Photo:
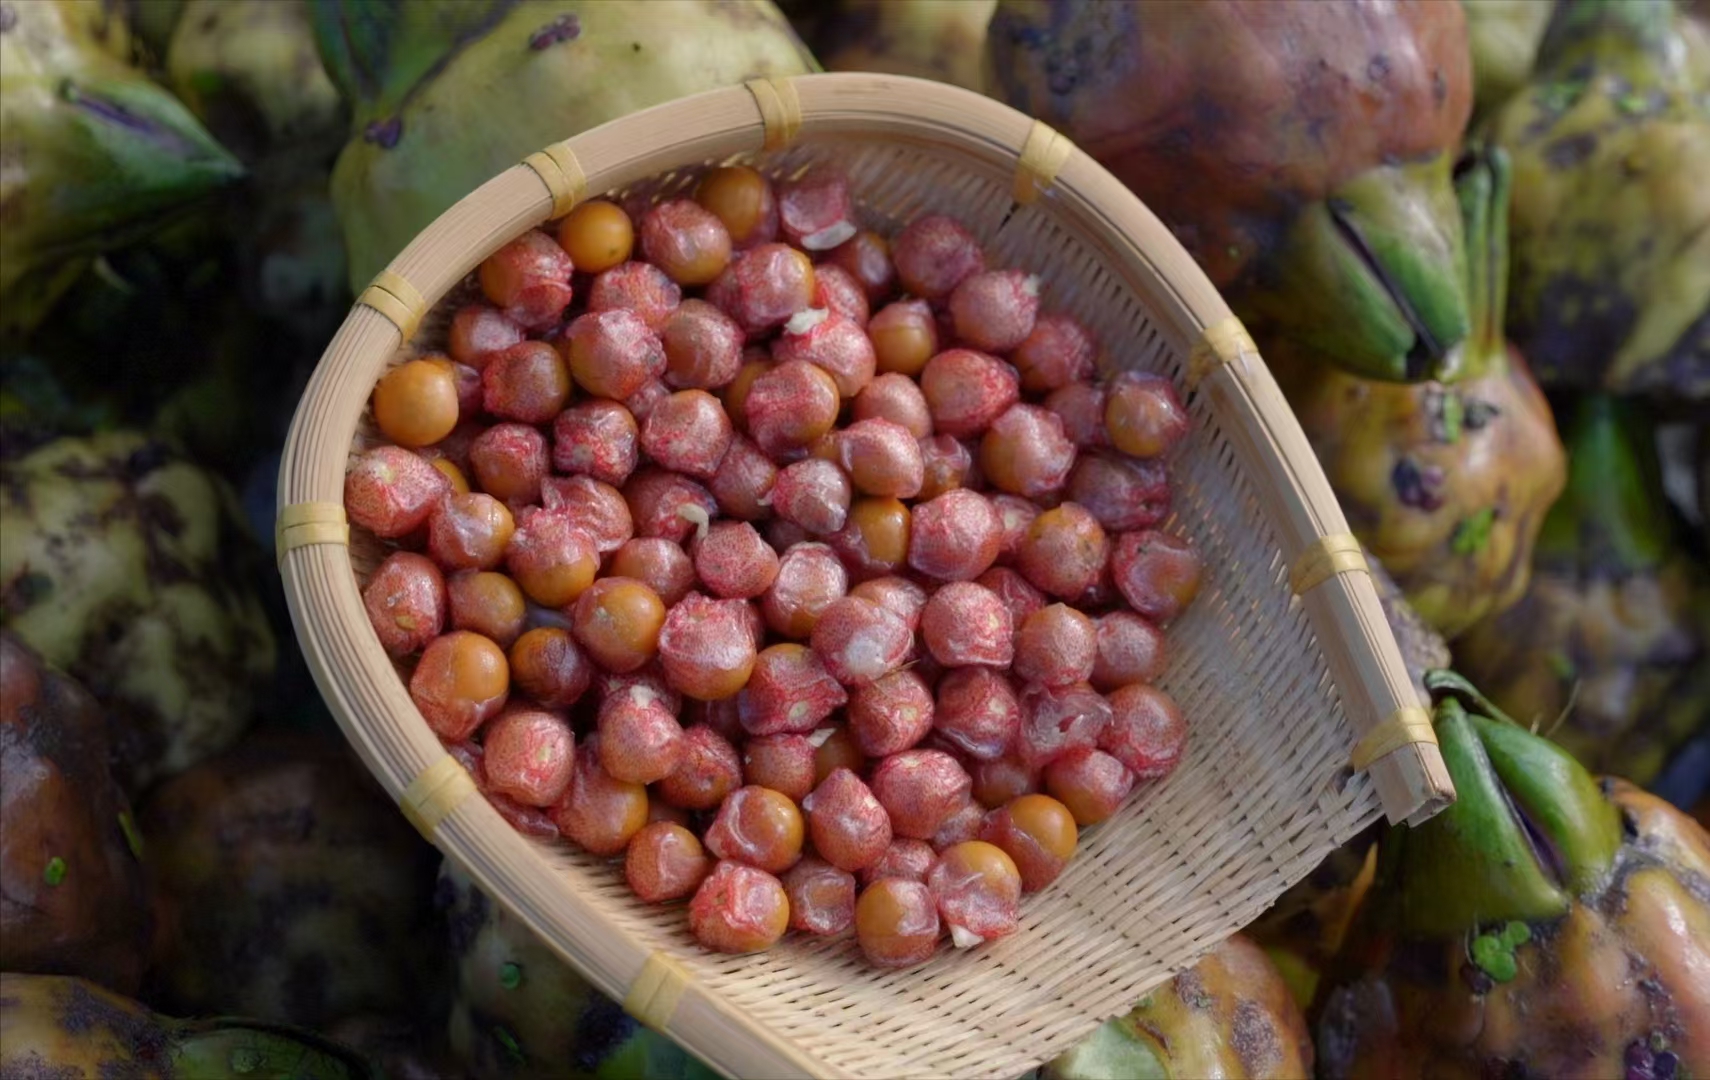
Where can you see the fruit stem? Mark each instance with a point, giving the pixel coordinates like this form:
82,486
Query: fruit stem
1482,185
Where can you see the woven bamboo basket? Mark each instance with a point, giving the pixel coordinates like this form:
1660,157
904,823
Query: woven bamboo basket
1304,727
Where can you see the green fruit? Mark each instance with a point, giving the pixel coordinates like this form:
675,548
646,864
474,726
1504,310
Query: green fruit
95,153
1611,144
447,96
127,567
1504,36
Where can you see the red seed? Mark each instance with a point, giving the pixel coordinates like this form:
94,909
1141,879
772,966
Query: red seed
743,483
1122,493
612,353
641,403
406,602
597,438
977,712
814,212
617,622
529,754
688,432
830,341
665,861
1091,783
790,691
759,827
477,332
836,289
1058,352
867,258
966,390
881,458
906,859
1130,650
1156,572
1038,833
551,557
1143,415
639,287
1017,595
763,286
549,667
640,739
1081,408
660,564
814,494
459,684
667,504
1055,720
509,461
1025,452
708,770
1016,515
962,825
1055,646
739,909
1063,552
897,398
904,336
954,537
946,464
733,560
743,200
390,491
789,406
822,897
995,311
596,508
783,763
934,254
469,391
1000,780
849,828
966,624
900,596
490,604
526,382
860,642
1146,731
686,241
647,682
919,789
808,578
977,888
784,535
528,820
703,347
890,715
706,647
529,278
455,447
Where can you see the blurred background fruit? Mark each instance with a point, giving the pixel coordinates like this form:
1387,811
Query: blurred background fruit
1546,924
295,890
447,94
74,897
1503,36
60,1027
1609,651
1301,152
126,565
942,40
1447,483
1611,141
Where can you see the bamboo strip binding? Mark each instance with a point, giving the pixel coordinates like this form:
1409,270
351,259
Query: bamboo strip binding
1179,867
562,174
1043,155
1323,560
392,295
1406,727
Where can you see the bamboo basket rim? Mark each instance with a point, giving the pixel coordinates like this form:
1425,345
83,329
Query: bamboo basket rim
1402,759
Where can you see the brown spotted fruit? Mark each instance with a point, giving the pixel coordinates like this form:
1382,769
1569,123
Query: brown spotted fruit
1447,484
1545,924
73,896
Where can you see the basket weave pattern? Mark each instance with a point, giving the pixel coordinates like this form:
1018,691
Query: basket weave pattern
1262,795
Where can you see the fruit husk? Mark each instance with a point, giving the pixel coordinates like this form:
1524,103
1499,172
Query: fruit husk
1230,1015
1609,650
1546,924
1504,37
1447,484
447,95
519,1012
942,40
321,888
74,896
58,1027
130,568
1300,152
95,154
1611,140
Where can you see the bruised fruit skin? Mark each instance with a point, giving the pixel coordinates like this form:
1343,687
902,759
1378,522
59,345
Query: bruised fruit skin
73,895
821,897
1586,960
1228,1015
1326,119
321,885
